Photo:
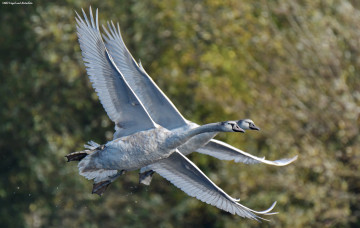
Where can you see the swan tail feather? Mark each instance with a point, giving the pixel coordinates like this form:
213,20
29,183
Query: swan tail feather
92,171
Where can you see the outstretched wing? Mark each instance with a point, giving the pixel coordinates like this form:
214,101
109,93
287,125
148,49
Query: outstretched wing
117,98
160,108
224,151
184,174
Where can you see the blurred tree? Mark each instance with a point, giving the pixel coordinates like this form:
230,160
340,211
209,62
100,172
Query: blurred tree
292,66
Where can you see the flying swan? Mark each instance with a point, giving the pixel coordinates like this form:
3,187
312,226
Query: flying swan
164,112
143,142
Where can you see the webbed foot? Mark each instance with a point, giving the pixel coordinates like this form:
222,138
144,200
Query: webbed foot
100,188
146,177
76,156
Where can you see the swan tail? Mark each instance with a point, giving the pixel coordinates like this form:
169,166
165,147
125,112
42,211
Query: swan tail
91,169
102,177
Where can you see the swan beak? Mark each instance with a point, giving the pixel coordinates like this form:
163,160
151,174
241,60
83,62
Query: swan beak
236,128
254,127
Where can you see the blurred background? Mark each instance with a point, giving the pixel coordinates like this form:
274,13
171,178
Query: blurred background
291,66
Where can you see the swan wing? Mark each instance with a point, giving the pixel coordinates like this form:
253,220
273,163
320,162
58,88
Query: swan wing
184,174
224,151
160,108
119,101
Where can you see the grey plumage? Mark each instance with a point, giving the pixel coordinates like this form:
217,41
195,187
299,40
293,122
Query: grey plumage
128,95
165,113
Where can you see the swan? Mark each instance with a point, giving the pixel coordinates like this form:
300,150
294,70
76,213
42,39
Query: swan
143,142
164,112
142,148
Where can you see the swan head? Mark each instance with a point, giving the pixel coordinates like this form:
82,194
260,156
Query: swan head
231,126
248,124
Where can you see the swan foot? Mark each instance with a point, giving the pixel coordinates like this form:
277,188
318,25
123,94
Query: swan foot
146,177
76,156
100,188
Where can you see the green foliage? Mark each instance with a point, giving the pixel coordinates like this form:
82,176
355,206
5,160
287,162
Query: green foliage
291,66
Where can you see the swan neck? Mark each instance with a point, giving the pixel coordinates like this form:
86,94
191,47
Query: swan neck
179,138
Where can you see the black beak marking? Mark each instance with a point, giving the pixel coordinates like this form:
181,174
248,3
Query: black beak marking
236,128
253,127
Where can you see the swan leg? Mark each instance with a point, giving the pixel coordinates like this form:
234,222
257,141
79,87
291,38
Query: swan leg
76,156
100,187
146,177
79,155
